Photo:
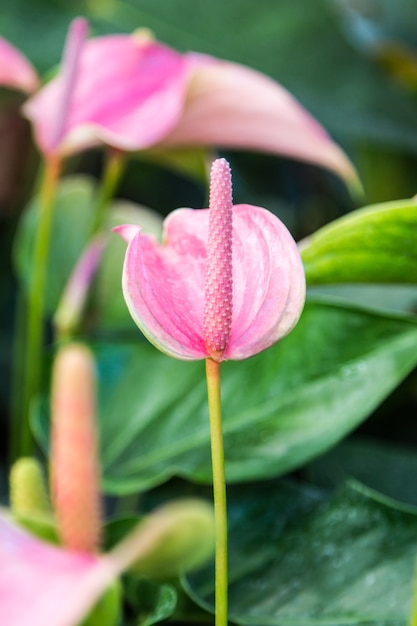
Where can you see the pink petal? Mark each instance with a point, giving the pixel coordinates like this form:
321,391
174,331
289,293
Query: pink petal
268,282
129,93
231,106
163,285
15,69
42,585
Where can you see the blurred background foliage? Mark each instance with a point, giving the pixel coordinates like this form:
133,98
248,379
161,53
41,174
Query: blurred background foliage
351,63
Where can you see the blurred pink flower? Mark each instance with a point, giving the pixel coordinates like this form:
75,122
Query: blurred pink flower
226,283
44,585
15,70
134,93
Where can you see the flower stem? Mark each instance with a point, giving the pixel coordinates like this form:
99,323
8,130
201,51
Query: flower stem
33,356
413,620
219,489
112,173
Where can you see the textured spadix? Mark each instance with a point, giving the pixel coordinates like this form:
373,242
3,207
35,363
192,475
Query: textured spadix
164,284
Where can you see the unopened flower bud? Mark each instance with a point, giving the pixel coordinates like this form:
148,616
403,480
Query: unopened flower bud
28,492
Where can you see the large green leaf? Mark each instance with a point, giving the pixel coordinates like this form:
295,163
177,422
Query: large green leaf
281,408
374,244
389,468
70,232
347,560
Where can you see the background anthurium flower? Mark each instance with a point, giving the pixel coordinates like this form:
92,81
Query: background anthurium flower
134,93
45,585
128,93
15,70
164,284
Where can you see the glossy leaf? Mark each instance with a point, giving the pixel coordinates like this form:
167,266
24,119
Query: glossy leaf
346,560
374,244
149,601
281,408
367,460
71,230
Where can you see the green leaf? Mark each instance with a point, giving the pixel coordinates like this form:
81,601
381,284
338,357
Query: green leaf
374,244
71,229
109,303
347,560
379,297
281,408
151,602
386,467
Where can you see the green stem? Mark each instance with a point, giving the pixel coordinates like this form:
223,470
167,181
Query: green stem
413,620
111,177
18,364
219,489
34,337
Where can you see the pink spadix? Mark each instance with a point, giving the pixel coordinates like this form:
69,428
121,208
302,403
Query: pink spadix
218,295
226,283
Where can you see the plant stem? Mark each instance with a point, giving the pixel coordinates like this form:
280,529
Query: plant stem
413,620
34,337
18,365
111,177
219,490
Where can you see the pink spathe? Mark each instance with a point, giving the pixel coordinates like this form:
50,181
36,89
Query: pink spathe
164,283
15,69
233,106
129,93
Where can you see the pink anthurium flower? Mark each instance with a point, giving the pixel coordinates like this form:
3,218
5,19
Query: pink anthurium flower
134,93
44,585
15,70
226,283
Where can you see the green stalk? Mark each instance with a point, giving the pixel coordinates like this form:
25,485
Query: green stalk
219,490
34,335
111,178
18,365
413,620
